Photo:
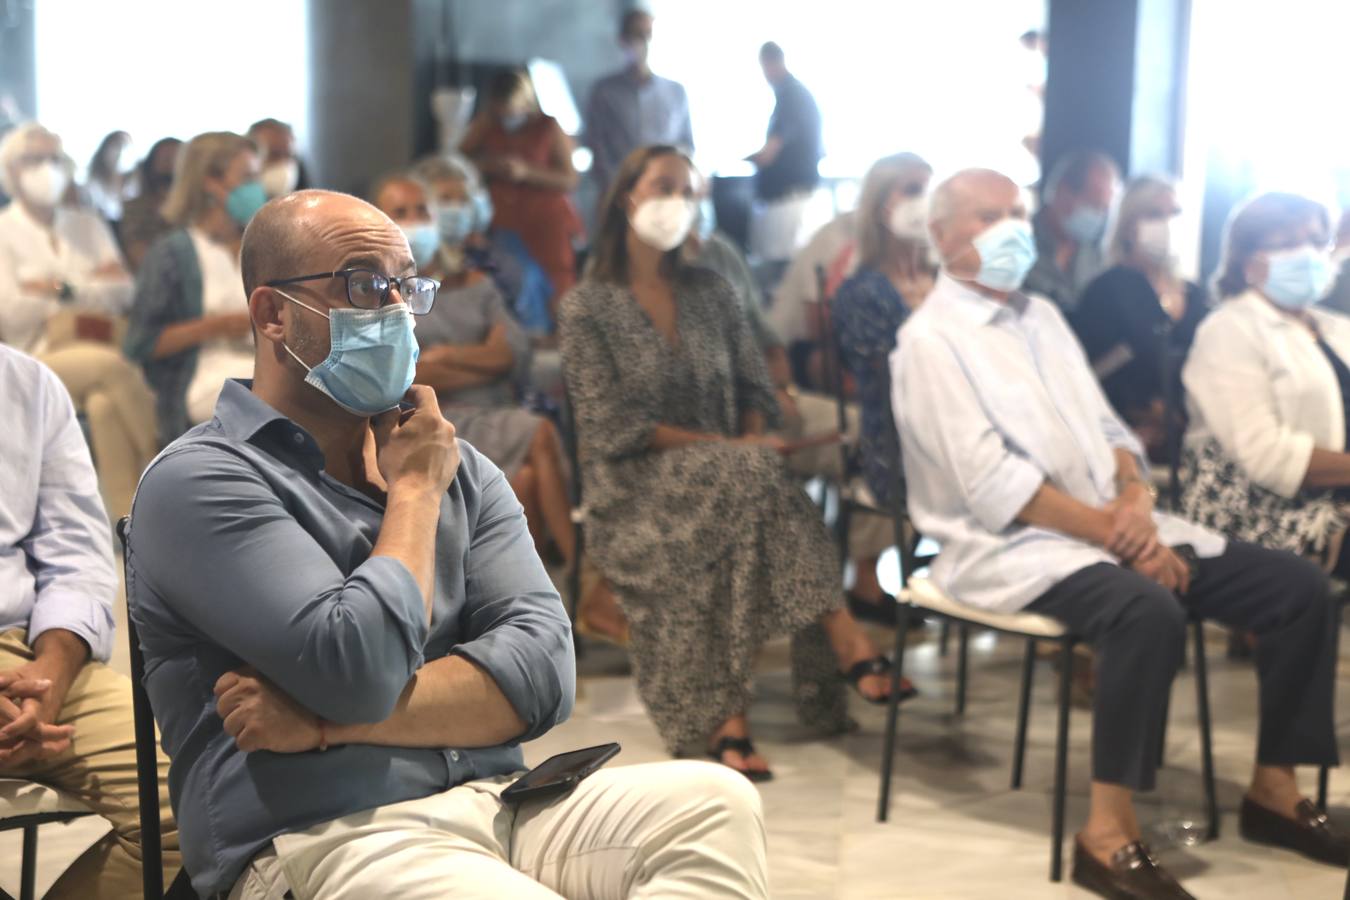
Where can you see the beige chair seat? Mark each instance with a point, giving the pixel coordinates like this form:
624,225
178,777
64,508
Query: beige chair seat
922,593
19,797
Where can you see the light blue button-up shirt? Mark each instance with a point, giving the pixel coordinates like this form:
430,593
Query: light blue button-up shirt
627,111
991,400
244,551
56,559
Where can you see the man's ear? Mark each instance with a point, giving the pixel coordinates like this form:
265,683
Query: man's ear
264,308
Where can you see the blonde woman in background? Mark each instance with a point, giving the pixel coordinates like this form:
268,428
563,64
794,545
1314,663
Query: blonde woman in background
189,322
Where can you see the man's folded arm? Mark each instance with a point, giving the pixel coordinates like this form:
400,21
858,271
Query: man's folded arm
212,540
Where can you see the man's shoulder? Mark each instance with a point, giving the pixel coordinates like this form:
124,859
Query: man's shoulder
200,456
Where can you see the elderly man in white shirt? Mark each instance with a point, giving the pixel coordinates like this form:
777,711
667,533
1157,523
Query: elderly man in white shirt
1019,468
62,290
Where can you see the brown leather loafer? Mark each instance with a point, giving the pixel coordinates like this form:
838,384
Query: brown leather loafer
1132,875
1312,834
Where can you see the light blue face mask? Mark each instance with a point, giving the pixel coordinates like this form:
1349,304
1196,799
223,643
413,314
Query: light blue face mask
483,211
423,241
1298,278
513,122
1007,252
372,357
455,222
244,201
1086,224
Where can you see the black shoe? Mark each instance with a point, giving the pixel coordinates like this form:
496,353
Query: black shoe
877,665
745,749
1311,834
881,611
1132,875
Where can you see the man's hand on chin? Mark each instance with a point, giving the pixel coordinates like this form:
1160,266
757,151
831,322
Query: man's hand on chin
260,716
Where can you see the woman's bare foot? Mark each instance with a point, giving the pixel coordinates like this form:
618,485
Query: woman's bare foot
600,614
752,764
852,646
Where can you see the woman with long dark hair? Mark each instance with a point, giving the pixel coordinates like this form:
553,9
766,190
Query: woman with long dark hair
711,546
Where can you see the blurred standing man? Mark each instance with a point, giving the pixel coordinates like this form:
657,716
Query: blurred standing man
1070,227
634,107
786,164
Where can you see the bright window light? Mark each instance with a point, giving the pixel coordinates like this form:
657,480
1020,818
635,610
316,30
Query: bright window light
160,68
948,80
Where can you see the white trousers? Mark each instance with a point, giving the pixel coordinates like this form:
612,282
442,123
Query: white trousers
676,830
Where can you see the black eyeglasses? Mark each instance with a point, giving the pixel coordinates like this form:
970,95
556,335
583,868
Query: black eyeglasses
368,289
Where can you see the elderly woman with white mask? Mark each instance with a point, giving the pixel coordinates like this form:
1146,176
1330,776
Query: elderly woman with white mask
63,292
1140,309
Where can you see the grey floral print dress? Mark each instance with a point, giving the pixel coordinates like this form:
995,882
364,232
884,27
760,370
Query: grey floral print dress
712,548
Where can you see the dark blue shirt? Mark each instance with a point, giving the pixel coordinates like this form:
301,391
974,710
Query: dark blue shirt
867,311
244,551
796,122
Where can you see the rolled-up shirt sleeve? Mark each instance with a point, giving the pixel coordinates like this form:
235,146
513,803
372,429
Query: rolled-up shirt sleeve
517,629
214,542
70,545
939,415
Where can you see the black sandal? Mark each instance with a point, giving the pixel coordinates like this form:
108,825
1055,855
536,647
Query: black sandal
745,749
877,665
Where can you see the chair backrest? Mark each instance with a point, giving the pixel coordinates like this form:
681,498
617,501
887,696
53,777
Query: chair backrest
1174,421
147,761
832,368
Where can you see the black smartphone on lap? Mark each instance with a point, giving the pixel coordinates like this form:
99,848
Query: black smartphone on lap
559,774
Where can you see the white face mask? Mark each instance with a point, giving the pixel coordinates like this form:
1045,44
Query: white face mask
44,184
1153,239
664,222
909,219
280,177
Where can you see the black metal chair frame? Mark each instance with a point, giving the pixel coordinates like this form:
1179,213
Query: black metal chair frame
147,761
1066,643
28,864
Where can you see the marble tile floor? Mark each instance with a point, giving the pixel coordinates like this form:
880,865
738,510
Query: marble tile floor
956,830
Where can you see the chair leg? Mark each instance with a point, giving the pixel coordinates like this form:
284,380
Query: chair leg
28,867
1162,731
1324,774
944,636
1061,760
962,666
1023,711
1206,734
841,527
893,713
1323,777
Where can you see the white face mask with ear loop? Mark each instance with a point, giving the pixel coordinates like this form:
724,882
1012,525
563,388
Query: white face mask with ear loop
908,219
664,222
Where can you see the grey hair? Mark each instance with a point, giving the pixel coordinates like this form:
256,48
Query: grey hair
12,146
452,165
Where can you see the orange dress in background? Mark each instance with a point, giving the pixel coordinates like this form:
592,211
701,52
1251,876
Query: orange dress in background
545,219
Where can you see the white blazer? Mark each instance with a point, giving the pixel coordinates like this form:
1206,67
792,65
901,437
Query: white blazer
1257,382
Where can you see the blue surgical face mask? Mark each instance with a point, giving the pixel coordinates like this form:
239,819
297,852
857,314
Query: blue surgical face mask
423,240
483,211
1086,224
455,222
371,360
1298,278
513,122
1007,252
244,201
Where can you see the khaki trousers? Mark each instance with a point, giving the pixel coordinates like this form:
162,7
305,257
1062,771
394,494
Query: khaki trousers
99,769
674,831
120,409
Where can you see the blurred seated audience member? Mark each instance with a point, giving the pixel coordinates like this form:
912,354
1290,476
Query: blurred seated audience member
468,240
711,546
894,275
1035,490
189,323
348,633
1267,388
282,170
1338,299
1071,225
633,107
798,306
527,160
1139,316
473,354
106,185
143,221
66,716
804,416
63,293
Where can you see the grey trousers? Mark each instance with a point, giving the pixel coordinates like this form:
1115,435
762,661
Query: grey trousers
1137,629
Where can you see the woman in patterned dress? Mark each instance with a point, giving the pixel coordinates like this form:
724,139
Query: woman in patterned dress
692,515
